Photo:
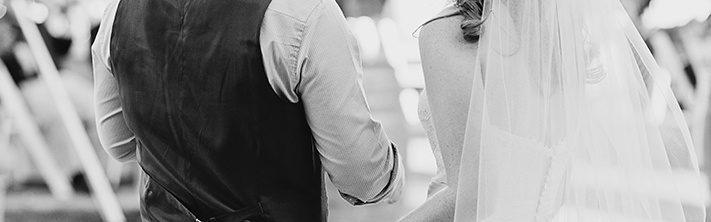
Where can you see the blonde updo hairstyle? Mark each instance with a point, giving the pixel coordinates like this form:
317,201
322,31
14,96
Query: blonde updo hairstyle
472,12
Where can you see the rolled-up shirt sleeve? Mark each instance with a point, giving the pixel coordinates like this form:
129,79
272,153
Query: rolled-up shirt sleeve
322,69
116,138
355,151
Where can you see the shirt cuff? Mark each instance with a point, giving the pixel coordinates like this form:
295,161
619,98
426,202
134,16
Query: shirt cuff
394,185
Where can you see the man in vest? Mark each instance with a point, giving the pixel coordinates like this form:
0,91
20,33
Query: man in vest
234,109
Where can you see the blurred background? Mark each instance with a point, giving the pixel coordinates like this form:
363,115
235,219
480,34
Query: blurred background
43,178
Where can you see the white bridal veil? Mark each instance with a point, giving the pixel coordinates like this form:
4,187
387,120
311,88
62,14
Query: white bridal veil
570,120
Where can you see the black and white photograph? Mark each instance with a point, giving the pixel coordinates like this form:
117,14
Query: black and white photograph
355,110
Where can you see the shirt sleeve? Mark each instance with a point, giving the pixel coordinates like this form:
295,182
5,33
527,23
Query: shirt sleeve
355,151
116,138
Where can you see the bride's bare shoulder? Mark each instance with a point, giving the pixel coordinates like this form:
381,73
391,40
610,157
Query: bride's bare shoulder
443,32
443,50
442,37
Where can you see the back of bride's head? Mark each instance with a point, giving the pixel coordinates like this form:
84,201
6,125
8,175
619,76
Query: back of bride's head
472,10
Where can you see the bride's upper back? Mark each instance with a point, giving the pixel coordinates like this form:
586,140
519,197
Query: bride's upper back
448,63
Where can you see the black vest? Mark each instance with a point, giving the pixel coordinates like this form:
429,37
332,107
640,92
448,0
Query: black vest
212,135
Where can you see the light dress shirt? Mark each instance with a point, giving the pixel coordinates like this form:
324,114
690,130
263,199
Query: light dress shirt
310,56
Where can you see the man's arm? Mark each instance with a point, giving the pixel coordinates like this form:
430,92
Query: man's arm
355,152
118,141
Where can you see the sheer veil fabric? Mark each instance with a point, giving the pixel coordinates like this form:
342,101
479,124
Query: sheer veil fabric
571,120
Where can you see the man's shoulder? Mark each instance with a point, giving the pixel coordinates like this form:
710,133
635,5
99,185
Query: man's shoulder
299,10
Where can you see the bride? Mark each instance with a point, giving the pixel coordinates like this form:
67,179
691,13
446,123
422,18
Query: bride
551,110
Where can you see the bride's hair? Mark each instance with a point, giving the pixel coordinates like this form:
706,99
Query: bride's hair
473,13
